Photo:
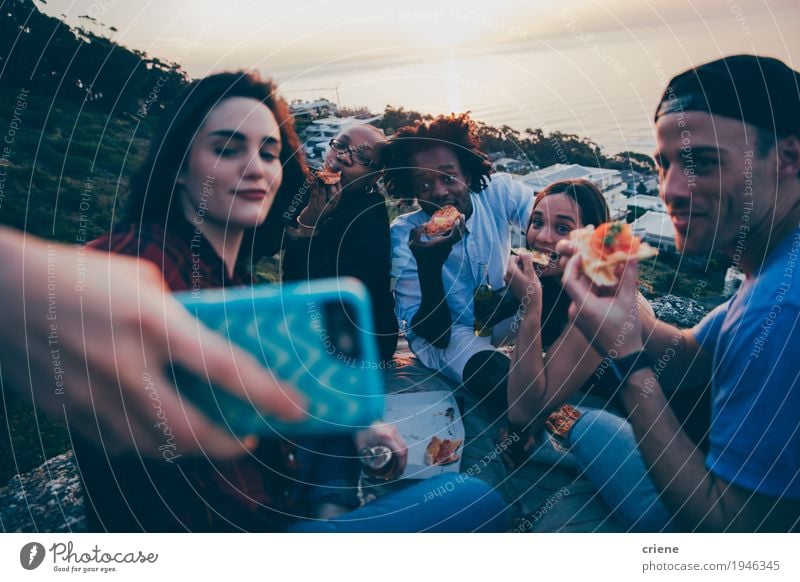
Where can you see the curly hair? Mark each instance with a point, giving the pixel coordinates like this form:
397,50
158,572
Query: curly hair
155,184
458,132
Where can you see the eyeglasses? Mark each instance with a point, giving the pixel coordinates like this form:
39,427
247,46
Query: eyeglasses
357,157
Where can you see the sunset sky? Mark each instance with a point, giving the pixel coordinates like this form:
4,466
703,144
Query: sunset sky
206,35
588,67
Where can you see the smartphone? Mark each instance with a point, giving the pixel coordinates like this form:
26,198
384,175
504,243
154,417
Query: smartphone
314,335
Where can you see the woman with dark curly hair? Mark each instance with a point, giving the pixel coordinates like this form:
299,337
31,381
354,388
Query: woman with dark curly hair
440,163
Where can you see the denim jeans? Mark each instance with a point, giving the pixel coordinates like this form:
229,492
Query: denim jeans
329,471
607,453
444,504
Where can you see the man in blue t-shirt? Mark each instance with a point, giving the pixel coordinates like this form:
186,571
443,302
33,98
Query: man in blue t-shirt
728,152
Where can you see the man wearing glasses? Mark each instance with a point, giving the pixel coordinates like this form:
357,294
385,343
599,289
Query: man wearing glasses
344,229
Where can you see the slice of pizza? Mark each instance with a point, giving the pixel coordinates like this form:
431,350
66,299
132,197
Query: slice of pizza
442,452
442,221
328,176
605,247
538,258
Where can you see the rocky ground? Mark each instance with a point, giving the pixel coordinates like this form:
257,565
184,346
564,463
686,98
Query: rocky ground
47,499
679,311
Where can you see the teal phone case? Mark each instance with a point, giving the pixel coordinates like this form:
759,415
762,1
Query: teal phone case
286,328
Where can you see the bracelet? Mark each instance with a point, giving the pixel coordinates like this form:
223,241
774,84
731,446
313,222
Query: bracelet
623,367
519,429
305,225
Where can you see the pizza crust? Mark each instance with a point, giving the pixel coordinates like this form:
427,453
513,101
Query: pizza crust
538,258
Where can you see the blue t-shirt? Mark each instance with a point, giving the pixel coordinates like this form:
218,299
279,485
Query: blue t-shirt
755,336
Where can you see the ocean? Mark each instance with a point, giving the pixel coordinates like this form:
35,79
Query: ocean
601,86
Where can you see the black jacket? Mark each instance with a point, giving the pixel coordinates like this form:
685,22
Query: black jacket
353,242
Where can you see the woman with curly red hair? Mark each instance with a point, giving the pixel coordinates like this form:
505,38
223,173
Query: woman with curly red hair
440,163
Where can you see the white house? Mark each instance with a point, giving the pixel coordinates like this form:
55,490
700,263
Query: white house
319,133
511,165
313,109
655,228
641,204
633,179
609,182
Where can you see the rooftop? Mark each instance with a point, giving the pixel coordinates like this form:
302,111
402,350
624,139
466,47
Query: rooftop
654,224
345,121
542,178
653,203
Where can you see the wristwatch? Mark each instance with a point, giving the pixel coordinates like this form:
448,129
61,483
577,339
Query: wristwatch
623,367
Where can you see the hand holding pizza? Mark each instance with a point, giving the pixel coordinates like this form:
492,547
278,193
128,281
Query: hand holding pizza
604,248
325,195
435,248
607,316
522,278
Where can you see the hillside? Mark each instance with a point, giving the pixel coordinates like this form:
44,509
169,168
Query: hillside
75,112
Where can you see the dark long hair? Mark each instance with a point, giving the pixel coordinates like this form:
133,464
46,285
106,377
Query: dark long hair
154,185
593,210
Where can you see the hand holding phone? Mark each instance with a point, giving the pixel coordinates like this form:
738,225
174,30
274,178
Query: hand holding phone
314,335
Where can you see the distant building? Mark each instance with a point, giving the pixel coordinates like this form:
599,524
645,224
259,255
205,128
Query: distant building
633,179
609,182
733,280
639,205
310,110
512,165
656,229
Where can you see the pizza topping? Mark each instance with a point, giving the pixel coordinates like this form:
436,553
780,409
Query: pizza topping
442,221
560,421
442,452
328,176
611,237
604,248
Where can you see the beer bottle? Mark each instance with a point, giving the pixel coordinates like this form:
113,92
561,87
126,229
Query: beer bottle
482,301
379,462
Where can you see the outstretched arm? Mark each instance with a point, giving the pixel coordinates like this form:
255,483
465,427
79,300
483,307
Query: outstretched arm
88,335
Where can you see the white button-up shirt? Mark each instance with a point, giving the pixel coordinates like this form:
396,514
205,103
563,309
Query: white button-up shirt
503,203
